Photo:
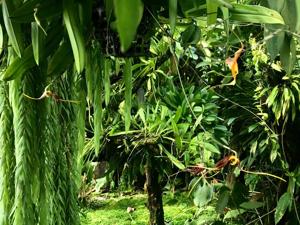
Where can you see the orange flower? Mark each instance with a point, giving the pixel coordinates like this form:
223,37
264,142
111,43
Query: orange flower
232,63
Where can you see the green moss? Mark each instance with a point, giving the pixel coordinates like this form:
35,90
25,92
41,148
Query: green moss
113,210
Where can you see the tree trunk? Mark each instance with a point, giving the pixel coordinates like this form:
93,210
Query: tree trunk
154,192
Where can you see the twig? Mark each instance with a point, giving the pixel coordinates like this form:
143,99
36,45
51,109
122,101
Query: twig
263,174
253,221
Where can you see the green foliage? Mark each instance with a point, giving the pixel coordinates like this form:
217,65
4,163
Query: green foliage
255,14
13,29
7,157
70,15
283,203
177,105
128,93
112,209
128,17
203,194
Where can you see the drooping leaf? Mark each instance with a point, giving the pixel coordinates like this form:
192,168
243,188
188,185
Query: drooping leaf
107,68
288,54
128,93
297,25
20,65
172,14
37,39
172,158
129,14
212,9
1,39
71,20
225,12
271,98
97,70
13,29
282,205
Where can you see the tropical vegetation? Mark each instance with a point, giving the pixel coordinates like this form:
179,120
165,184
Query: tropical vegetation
199,95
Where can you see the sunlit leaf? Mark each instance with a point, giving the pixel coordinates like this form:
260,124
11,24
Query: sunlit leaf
282,205
212,9
211,148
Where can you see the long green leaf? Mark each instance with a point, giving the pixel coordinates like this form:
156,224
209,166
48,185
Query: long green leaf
172,158
71,19
89,75
1,39
128,92
282,205
297,7
212,9
20,65
129,14
13,29
288,54
172,14
271,98
107,68
37,37
255,14
98,91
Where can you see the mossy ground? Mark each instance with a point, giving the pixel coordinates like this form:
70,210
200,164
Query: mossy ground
111,209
